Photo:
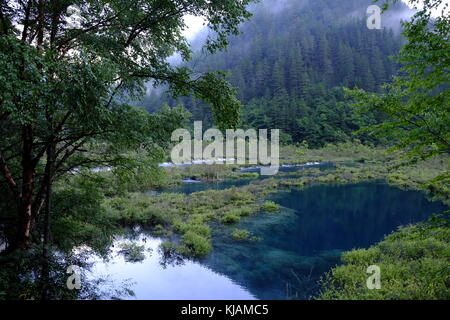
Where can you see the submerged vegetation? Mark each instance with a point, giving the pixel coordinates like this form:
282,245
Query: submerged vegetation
243,235
189,216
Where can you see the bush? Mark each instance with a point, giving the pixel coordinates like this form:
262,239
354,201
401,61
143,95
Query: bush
240,235
230,219
241,197
198,228
194,245
270,206
132,252
243,235
413,263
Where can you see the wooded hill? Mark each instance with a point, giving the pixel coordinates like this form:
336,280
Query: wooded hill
291,61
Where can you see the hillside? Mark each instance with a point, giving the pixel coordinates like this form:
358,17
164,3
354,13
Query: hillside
290,63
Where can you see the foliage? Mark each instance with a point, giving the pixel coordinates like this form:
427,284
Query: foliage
132,252
195,245
270,206
230,218
416,105
240,234
243,235
413,263
186,215
22,277
64,88
78,218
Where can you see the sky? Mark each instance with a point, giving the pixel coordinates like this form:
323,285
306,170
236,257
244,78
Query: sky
437,12
194,25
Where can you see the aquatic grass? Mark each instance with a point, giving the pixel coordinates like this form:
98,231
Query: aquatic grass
182,213
194,227
240,235
230,219
339,152
243,235
194,245
132,252
270,206
413,263
190,214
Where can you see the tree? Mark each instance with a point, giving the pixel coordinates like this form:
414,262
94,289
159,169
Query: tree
61,84
416,105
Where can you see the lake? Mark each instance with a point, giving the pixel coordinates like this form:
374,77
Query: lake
298,245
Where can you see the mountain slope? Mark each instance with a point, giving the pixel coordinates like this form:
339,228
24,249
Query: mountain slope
290,63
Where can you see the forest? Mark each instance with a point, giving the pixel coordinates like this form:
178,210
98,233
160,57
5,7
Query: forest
289,69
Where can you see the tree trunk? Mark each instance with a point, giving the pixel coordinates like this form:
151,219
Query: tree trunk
46,233
26,217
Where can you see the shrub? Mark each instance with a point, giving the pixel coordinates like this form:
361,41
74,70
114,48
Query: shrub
244,235
230,219
242,197
240,235
270,206
195,227
413,264
132,252
194,245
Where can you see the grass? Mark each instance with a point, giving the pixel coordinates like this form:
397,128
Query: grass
414,264
230,219
337,153
132,252
240,235
270,206
243,235
190,216
194,245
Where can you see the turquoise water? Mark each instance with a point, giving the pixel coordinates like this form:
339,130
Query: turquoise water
197,186
299,244
306,238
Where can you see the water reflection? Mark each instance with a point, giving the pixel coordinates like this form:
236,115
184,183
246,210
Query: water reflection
306,238
175,281
299,244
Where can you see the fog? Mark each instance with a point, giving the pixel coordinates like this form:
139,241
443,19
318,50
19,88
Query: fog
197,31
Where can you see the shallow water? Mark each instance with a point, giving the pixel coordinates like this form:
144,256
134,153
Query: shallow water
299,244
151,280
189,186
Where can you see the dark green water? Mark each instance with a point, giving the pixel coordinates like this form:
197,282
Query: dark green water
299,244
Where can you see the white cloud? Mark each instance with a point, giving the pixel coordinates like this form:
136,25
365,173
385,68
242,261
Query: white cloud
435,13
194,25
